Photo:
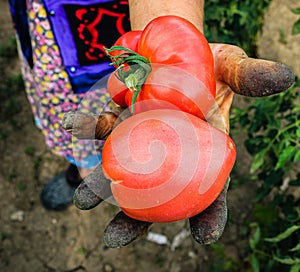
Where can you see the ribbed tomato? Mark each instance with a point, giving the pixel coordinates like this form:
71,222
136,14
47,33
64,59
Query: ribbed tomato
182,68
166,165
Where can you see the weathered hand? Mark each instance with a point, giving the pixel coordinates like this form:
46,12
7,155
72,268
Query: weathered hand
238,74
235,73
95,187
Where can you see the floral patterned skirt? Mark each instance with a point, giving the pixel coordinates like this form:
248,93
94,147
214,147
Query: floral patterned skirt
62,70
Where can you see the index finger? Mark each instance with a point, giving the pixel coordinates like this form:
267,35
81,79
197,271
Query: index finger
248,76
89,126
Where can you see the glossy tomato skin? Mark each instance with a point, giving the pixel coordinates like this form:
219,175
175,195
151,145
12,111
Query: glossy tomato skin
182,74
166,165
117,90
174,42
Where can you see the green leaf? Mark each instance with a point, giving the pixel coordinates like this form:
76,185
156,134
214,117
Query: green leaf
296,248
288,261
296,109
255,237
265,213
258,161
254,263
297,156
288,232
295,268
296,10
296,28
298,131
287,154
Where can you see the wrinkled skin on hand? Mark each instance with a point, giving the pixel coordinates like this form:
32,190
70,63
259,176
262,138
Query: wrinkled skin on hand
235,74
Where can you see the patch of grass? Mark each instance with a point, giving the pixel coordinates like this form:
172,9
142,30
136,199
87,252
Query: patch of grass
15,124
36,166
12,175
82,251
221,261
8,49
296,26
4,134
159,260
4,235
10,87
63,231
282,37
21,186
29,150
12,106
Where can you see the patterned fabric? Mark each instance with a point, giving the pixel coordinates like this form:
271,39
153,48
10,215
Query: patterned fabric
82,29
51,93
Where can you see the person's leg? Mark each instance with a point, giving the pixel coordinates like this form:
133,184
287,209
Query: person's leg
58,193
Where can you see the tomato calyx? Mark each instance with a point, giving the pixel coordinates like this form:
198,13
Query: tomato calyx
132,68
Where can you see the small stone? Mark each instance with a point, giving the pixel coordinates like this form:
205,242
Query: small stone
157,238
108,268
192,254
180,238
17,216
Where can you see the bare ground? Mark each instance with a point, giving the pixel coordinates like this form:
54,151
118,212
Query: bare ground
35,240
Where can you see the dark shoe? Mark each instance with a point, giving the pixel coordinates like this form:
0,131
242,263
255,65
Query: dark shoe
58,193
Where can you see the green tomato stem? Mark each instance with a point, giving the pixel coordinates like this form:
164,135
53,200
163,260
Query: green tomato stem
132,69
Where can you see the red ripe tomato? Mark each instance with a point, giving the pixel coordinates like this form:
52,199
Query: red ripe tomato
117,90
166,165
182,75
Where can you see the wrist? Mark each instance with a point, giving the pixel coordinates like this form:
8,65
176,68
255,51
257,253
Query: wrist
142,12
